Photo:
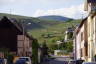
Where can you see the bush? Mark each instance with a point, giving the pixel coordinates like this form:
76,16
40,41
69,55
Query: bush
7,55
35,46
10,58
44,49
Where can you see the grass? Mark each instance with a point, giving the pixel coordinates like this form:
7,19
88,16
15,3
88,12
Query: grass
56,30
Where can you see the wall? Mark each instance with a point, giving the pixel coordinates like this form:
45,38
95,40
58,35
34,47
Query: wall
24,47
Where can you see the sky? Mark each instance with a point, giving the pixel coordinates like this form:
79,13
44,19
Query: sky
35,8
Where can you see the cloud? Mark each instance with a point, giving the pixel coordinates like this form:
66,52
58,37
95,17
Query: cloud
11,2
3,2
72,12
69,8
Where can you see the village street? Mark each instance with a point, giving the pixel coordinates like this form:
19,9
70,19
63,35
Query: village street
57,60
47,32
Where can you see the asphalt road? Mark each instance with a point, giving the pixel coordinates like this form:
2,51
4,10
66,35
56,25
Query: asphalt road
57,60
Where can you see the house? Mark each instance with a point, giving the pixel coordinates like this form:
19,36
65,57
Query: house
76,46
69,34
14,38
85,34
81,41
90,7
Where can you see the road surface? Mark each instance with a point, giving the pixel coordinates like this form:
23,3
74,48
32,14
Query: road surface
57,60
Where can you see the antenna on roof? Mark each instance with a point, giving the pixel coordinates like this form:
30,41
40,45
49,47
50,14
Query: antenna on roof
82,17
10,12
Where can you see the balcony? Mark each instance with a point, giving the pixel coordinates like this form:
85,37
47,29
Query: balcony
93,10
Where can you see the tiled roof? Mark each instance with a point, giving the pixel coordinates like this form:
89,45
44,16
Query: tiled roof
18,25
91,1
79,27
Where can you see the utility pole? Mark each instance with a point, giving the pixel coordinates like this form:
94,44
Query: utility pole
24,37
23,30
10,12
82,16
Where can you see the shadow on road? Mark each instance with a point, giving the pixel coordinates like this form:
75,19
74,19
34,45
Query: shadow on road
55,61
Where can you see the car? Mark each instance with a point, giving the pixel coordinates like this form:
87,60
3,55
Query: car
79,61
89,63
3,61
27,59
20,61
72,62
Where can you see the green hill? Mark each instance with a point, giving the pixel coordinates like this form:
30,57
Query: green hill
49,30
55,18
35,22
13,16
53,33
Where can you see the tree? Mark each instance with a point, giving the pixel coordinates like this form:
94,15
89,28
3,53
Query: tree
44,48
69,46
7,55
35,46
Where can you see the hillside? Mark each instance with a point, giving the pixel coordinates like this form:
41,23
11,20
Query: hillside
49,30
35,22
53,33
55,18
13,16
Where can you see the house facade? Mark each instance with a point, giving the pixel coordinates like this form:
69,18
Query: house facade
81,41
14,38
90,7
91,36
76,45
88,30
69,34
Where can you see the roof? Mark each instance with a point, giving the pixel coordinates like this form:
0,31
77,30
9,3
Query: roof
18,25
91,1
86,4
81,24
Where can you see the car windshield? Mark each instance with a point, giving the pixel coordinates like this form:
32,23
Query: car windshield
25,59
20,62
1,61
89,63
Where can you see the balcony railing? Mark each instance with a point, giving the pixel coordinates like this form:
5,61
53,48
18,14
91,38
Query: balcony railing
93,10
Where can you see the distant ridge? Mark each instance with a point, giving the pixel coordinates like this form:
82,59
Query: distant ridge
39,28
55,18
35,22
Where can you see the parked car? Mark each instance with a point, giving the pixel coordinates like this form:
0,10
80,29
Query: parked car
89,63
80,61
15,59
3,61
20,61
27,59
72,62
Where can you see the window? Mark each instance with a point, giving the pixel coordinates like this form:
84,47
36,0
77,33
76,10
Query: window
81,52
82,36
86,48
88,29
20,43
20,37
95,25
92,26
89,53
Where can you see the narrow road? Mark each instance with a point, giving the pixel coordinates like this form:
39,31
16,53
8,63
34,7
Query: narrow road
57,60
